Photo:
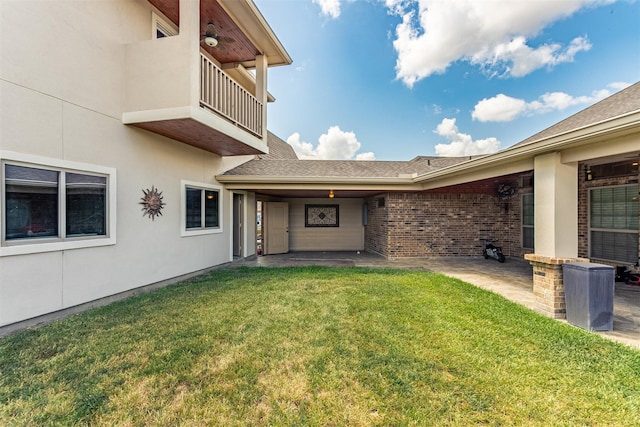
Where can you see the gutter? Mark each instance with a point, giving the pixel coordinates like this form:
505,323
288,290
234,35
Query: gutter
323,180
276,41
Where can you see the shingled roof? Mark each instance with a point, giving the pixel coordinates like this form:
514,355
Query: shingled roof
278,149
618,104
343,168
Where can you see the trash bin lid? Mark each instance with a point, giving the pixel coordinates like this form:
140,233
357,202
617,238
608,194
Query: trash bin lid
584,266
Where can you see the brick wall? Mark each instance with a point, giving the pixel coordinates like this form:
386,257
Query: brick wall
375,235
443,224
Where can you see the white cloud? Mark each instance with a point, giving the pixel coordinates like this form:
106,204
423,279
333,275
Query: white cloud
369,155
462,144
516,59
329,8
336,144
617,86
304,150
500,108
503,108
491,34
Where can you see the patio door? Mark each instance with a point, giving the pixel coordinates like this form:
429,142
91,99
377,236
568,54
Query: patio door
238,226
276,223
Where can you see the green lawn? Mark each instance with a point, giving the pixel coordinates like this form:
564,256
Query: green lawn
316,346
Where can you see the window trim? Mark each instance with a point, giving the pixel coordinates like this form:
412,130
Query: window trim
159,23
522,224
187,232
28,246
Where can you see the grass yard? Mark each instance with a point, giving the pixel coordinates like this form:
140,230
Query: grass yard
316,346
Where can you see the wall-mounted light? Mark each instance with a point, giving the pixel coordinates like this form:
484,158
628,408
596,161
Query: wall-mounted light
588,176
331,195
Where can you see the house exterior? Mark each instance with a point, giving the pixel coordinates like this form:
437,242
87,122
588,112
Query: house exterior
116,116
138,155
567,193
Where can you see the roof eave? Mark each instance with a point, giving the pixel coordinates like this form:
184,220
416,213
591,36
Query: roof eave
293,180
615,126
257,28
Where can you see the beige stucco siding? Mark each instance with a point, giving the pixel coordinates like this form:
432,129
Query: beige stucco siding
146,251
62,100
348,236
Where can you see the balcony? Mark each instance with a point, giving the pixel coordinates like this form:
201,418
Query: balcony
183,89
221,94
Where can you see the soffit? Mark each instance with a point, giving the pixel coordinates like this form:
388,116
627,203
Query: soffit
198,135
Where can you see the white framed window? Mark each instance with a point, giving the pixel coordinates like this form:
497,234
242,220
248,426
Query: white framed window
162,27
528,221
50,204
613,222
201,208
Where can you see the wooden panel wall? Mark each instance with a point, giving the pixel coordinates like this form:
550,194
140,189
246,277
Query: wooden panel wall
349,236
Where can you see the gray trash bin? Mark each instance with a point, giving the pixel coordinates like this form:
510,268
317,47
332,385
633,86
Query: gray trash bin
588,289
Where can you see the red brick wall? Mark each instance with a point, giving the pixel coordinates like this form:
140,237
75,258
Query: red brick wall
375,234
452,221
443,224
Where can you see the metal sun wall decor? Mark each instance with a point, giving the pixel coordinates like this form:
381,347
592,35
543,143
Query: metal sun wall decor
152,203
321,216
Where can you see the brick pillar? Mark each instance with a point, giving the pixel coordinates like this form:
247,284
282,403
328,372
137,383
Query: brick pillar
548,284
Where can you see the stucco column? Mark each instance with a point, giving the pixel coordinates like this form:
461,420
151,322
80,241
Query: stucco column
556,229
261,90
190,30
556,206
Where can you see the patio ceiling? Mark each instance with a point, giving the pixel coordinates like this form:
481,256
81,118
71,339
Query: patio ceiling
237,45
320,194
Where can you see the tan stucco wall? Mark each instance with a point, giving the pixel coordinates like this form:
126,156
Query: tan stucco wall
348,236
62,87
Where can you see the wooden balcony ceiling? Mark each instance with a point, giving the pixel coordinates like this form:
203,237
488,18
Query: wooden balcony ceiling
233,47
201,136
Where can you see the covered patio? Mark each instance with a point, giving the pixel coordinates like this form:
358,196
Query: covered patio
512,280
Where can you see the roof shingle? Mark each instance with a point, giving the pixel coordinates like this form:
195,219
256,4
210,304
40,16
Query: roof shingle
343,168
623,102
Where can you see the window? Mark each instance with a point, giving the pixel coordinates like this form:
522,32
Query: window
34,203
527,221
55,206
526,181
612,170
614,223
162,27
202,212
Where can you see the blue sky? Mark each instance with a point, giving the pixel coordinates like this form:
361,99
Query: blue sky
394,79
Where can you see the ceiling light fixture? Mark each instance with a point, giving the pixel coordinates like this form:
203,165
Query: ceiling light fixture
211,41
